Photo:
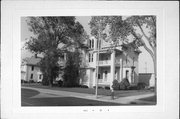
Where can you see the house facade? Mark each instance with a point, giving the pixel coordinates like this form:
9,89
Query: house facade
115,63
30,70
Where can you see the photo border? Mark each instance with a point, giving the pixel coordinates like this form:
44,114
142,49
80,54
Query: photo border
13,59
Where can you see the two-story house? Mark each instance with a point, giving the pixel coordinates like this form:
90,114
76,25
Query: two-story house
30,69
115,63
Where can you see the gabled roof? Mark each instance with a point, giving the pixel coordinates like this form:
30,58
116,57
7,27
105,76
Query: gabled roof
32,61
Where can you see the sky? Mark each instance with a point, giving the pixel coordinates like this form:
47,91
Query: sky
145,60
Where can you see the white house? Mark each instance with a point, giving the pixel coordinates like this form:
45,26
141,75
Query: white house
30,69
115,63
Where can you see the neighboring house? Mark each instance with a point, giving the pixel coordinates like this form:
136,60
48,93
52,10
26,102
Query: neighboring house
147,78
115,63
30,69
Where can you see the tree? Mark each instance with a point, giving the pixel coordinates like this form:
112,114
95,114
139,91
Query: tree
52,37
71,70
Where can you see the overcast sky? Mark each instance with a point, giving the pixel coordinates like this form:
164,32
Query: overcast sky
145,60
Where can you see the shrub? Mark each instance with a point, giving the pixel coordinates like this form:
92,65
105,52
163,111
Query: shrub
141,85
151,88
60,83
23,81
124,84
107,87
31,81
99,87
84,86
115,85
133,87
45,81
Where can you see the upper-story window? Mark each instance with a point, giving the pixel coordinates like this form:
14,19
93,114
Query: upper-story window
91,43
32,68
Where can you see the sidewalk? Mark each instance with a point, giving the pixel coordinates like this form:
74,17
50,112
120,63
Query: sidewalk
121,100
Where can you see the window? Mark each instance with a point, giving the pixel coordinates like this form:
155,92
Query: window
31,76
99,76
92,43
32,68
105,76
40,76
92,58
89,57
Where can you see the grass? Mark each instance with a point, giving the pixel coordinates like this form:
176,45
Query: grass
151,99
58,101
120,93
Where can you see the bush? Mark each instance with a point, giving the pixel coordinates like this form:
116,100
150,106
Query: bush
107,87
141,85
23,81
31,81
84,86
133,87
45,81
60,83
99,87
124,84
115,85
151,88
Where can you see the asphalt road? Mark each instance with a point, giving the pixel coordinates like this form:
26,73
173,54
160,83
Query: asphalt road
29,98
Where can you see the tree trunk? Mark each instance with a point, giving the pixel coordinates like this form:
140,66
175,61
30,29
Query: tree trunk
152,53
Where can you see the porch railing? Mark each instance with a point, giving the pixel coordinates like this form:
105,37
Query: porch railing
108,62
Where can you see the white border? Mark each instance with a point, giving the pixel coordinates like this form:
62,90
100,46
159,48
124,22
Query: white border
11,54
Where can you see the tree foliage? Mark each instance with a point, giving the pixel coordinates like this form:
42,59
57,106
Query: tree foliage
52,37
71,70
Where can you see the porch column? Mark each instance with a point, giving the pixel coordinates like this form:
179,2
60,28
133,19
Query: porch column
112,68
120,71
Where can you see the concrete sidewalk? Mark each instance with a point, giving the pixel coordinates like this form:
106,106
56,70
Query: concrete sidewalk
121,100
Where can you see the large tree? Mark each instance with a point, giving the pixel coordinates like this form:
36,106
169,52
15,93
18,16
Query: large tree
52,38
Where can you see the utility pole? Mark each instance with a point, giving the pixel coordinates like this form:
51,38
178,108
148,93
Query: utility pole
97,63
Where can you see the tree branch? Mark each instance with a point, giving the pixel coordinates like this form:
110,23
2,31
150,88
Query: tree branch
145,46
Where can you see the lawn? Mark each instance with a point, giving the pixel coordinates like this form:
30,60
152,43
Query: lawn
119,93
151,99
58,101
